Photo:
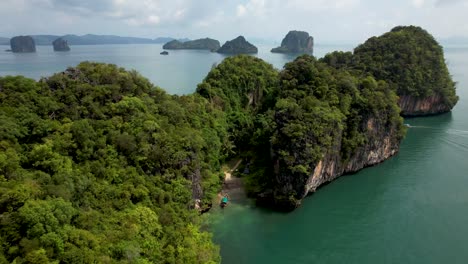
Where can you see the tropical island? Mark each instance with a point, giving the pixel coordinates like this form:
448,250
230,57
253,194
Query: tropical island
61,45
296,42
412,62
200,44
99,165
22,44
238,45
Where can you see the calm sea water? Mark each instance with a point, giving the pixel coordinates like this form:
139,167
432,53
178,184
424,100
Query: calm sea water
177,73
412,208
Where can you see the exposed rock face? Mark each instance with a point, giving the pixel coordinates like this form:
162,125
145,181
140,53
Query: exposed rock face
382,144
60,45
164,53
296,42
238,46
201,44
413,106
22,44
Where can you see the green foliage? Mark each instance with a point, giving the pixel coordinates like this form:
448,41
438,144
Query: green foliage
99,166
322,111
410,59
242,86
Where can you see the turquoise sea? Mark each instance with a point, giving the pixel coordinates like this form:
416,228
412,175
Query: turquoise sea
412,208
177,73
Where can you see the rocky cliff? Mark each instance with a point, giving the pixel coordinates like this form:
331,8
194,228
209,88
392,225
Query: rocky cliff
414,106
22,44
238,46
61,45
383,142
296,42
322,132
202,44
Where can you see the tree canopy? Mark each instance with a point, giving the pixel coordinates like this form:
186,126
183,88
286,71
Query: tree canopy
408,58
98,165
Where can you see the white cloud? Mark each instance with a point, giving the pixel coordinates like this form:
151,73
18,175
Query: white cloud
324,19
153,20
321,5
418,3
241,10
255,8
179,14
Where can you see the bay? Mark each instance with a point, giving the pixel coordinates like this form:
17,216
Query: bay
412,208
177,73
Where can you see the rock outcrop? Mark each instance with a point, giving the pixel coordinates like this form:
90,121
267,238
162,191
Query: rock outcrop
322,133
383,142
199,44
238,46
296,42
164,53
22,44
414,106
61,44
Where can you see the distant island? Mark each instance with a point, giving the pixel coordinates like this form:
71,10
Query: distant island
91,39
22,44
60,45
296,42
238,46
202,44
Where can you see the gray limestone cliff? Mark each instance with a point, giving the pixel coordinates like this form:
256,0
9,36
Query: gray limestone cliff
382,143
238,46
22,44
61,44
431,105
296,42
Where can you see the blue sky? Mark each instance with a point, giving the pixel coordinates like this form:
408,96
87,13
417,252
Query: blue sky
329,21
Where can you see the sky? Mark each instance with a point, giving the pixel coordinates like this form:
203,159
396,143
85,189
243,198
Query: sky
328,21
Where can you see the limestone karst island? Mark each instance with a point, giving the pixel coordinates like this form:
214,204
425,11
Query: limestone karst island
99,165
22,44
238,45
296,42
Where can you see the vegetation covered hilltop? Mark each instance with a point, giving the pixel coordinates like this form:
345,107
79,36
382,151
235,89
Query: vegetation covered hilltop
97,165
412,62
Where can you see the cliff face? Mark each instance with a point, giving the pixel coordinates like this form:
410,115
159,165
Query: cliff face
296,42
319,132
238,46
22,44
383,142
201,44
414,106
382,145
60,45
